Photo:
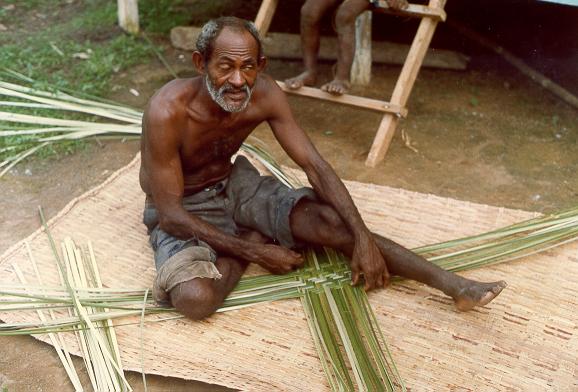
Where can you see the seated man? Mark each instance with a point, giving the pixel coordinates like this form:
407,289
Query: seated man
208,218
311,14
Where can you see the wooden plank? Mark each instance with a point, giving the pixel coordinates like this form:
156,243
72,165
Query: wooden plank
361,68
265,16
413,10
128,15
288,46
346,99
404,85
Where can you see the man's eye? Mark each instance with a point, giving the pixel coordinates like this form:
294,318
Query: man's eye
248,67
225,67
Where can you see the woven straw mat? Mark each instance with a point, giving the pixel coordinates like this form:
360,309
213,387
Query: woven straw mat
524,340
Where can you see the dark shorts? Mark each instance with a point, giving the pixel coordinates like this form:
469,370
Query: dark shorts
243,201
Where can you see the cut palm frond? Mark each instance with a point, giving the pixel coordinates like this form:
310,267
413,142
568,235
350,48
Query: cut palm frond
97,340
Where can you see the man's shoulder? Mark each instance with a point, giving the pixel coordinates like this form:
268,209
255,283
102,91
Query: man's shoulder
267,90
266,84
172,97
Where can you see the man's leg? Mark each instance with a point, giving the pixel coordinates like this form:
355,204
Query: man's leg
320,224
201,297
345,23
311,14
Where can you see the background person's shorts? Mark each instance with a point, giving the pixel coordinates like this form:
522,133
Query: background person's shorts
245,200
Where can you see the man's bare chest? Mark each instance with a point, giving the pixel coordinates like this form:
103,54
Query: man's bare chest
201,147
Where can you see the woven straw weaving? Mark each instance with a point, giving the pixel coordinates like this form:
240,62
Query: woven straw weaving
525,340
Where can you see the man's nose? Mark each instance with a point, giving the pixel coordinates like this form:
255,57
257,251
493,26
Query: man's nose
237,79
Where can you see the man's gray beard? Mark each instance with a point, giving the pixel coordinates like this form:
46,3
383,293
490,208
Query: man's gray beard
219,95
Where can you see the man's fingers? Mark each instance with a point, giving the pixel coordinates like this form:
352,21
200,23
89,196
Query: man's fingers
379,281
355,277
369,281
298,260
385,279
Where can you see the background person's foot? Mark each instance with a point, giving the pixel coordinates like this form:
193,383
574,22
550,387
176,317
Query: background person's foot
307,78
478,294
336,87
397,4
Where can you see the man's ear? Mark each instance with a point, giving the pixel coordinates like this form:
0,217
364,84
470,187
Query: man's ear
199,62
262,63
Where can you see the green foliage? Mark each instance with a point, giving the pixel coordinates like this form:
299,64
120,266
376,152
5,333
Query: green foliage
76,46
159,16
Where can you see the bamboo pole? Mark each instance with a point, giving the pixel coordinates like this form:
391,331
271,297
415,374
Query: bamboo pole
536,76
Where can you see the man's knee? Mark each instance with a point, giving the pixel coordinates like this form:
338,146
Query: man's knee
345,16
320,223
333,227
196,299
311,12
329,217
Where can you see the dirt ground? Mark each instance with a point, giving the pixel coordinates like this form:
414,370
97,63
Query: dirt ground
488,135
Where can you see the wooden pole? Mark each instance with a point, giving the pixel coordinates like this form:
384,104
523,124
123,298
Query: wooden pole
265,16
288,46
361,67
346,99
128,15
404,85
536,76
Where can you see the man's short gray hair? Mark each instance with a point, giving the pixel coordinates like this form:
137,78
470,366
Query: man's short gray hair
212,28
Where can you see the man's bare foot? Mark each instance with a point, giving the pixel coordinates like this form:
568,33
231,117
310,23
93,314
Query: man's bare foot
478,294
307,78
336,87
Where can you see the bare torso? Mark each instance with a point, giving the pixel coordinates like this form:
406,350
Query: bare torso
206,141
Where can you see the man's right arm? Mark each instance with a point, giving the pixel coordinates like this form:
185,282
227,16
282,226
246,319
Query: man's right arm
165,182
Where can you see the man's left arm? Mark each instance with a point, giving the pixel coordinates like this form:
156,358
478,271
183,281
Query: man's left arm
366,257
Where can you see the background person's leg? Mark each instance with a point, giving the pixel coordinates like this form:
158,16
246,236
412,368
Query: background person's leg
319,224
345,18
311,14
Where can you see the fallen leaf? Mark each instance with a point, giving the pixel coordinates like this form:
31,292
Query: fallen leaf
81,55
407,141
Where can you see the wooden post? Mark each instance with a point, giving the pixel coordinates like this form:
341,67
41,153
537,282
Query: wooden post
404,85
361,67
265,16
128,15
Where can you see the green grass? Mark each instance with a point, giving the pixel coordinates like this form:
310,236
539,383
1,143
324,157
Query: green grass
51,55
80,47
49,48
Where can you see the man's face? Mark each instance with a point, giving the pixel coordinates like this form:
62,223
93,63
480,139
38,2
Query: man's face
232,69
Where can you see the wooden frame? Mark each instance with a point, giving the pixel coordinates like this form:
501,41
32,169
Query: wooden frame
393,110
350,100
265,16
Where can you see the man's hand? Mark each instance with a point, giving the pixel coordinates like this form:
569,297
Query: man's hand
367,259
397,4
276,259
